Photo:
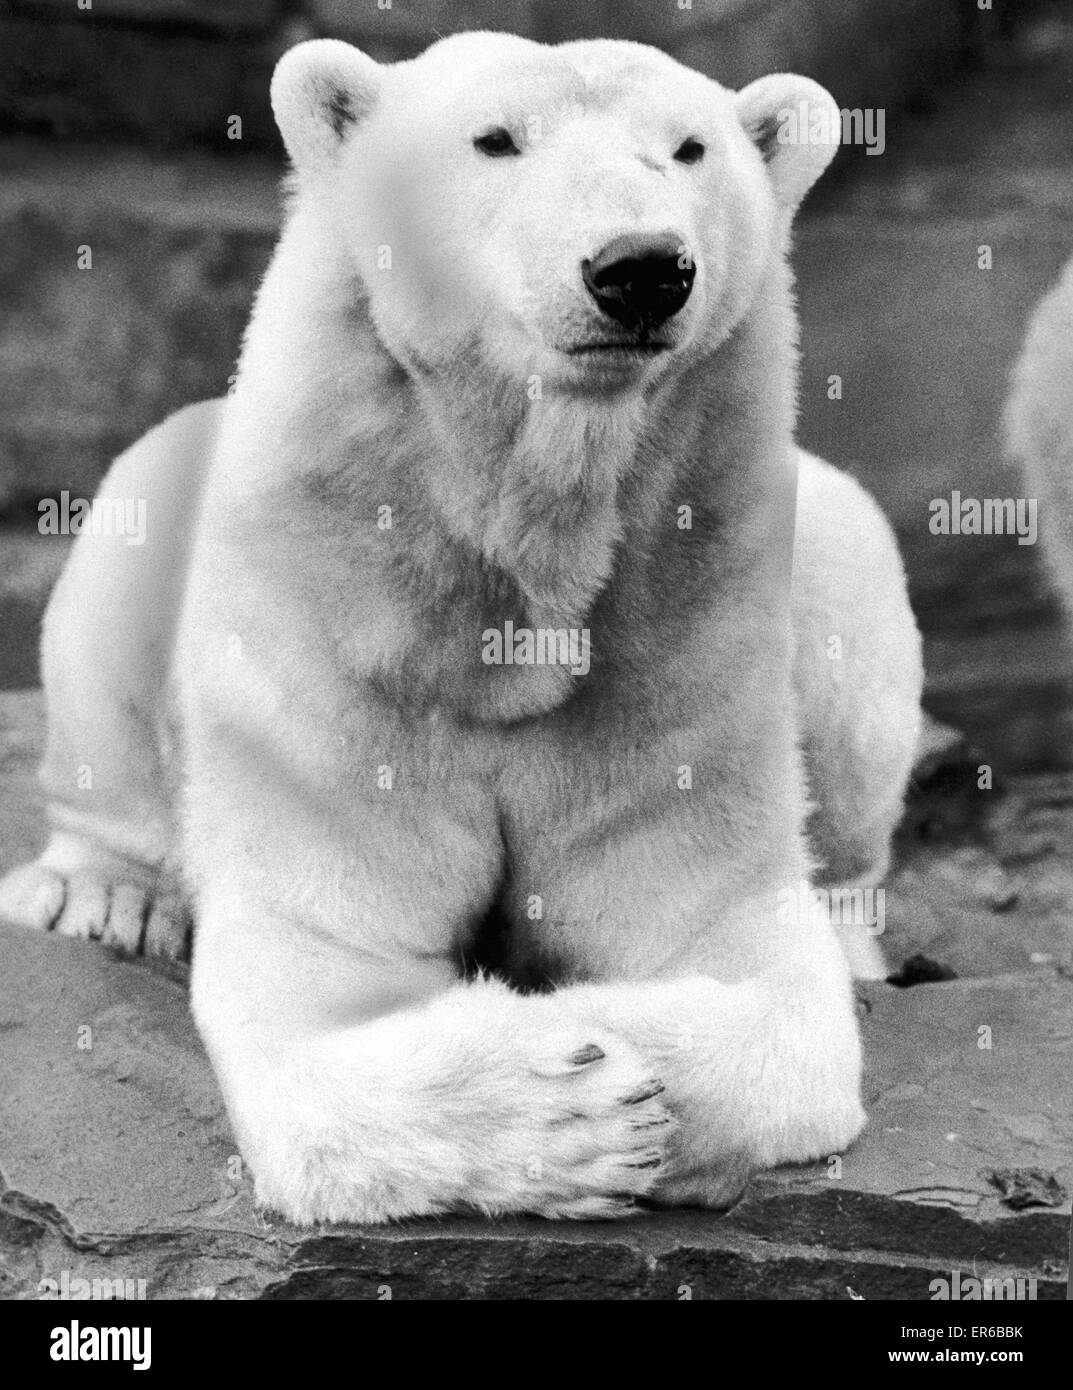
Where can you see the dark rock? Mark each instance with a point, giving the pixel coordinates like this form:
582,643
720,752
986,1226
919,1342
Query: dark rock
1028,1187
919,970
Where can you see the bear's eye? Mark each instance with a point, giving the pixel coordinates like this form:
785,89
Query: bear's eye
496,143
689,151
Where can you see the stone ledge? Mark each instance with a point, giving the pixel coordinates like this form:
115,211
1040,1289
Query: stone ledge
115,1165
116,1160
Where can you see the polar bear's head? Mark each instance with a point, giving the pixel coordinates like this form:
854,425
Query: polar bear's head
588,213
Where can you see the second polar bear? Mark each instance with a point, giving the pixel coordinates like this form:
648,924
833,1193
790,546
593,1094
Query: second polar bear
524,361
1039,427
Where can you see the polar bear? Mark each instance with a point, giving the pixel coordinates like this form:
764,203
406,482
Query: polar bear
1039,427
524,362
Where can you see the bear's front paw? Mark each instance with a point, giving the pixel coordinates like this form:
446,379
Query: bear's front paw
498,1105
592,1135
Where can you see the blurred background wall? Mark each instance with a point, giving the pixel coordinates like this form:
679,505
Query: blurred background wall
174,70
133,103
140,129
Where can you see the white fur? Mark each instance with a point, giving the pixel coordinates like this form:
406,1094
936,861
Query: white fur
1039,426
240,684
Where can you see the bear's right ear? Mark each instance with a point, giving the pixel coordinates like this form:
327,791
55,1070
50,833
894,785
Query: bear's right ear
796,125
320,90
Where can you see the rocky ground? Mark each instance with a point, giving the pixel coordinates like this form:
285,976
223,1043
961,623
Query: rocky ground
115,1158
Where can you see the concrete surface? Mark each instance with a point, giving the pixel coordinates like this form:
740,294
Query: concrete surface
117,1162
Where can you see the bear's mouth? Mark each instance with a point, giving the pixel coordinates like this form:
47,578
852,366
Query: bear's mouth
620,348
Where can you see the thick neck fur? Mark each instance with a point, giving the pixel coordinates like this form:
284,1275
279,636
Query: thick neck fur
532,485
562,511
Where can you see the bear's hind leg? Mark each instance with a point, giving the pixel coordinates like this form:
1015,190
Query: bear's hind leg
77,888
106,648
103,874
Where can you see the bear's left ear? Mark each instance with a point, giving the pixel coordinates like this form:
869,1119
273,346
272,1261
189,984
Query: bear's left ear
796,126
320,90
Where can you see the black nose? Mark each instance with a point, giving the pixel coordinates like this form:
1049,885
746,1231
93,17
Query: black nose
640,282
